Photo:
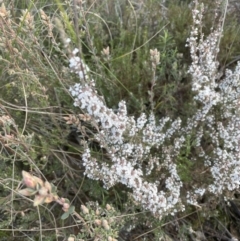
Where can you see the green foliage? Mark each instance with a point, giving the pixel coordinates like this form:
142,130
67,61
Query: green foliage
184,164
229,47
180,20
34,93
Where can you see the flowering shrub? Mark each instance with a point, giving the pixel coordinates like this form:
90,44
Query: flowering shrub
137,147
125,158
154,121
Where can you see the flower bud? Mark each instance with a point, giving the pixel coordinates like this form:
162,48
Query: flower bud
105,224
65,207
71,239
97,212
98,222
84,209
111,220
29,180
38,181
108,207
48,186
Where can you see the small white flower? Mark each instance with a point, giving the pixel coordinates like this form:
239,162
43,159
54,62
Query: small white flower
75,51
68,40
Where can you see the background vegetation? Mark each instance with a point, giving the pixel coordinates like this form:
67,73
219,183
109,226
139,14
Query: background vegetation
38,130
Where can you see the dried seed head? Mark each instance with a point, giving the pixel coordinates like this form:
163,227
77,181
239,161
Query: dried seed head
3,11
43,191
48,186
30,180
38,200
27,192
105,52
155,57
28,19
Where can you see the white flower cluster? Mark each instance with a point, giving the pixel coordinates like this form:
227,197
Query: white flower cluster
147,194
78,66
128,142
204,65
86,97
223,130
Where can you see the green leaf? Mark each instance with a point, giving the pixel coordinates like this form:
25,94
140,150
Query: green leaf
71,210
65,216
